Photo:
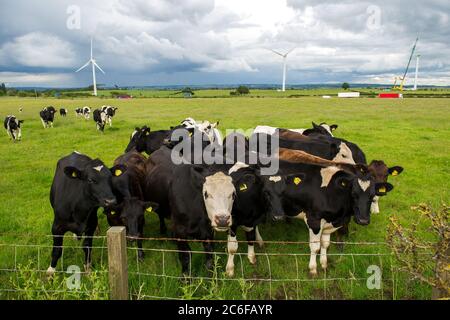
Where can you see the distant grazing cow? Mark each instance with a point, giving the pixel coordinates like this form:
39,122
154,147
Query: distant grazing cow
86,112
110,112
47,116
322,128
12,126
129,187
79,112
100,119
80,186
63,112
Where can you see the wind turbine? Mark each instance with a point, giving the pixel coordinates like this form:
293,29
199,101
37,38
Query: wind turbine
284,56
94,64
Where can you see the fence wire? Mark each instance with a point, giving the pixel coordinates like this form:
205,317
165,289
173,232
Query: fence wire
281,271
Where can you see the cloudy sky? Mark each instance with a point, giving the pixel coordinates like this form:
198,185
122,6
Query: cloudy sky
161,42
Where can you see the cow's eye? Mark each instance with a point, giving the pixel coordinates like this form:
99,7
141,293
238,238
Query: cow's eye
233,196
344,156
206,195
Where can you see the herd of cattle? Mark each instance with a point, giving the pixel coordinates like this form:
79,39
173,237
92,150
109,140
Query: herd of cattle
321,179
101,117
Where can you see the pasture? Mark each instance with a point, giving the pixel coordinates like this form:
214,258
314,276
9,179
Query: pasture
413,133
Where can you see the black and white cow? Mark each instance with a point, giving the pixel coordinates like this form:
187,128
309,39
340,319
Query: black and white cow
100,119
12,126
79,112
80,186
86,112
47,116
326,198
144,140
201,200
322,128
63,112
110,112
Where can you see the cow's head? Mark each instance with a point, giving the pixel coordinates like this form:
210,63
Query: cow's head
380,171
218,194
131,214
342,152
96,178
138,139
362,190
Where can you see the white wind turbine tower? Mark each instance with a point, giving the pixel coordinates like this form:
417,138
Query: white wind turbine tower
284,56
94,64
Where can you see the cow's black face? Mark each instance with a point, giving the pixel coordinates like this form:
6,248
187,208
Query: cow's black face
97,178
137,140
273,189
131,214
363,191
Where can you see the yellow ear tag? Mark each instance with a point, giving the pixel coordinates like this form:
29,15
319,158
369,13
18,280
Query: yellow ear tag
147,133
243,187
113,212
297,180
118,172
382,189
190,134
74,174
394,173
149,209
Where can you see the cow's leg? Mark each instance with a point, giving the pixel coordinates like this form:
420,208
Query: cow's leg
324,244
87,242
259,239
185,256
43,122
209,247
9,134
139,244
19,134
340,233
58,232
251,237
51,124
314,246
374,206
232,247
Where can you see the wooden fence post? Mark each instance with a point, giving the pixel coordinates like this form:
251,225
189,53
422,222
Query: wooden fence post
117,263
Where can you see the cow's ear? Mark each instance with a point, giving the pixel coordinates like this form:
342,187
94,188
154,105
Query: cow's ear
381,189
215,124
73,172
314,125
149,206
333,127
395,171
118,170
295,179
21,121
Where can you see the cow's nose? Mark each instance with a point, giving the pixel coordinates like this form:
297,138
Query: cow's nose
110,202
278,217
223,220
363,222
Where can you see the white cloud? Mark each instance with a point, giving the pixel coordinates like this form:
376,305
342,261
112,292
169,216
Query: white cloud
34,79
37,49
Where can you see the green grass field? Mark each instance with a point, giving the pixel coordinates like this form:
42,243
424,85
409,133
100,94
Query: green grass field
413,133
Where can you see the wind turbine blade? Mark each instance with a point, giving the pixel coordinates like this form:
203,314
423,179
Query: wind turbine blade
98,67
84,66
277,52
291,50
91,48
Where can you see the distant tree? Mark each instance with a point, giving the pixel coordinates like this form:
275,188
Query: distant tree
345,86
242,90
3,89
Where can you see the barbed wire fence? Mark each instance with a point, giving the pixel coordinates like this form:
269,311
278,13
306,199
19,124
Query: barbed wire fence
364,270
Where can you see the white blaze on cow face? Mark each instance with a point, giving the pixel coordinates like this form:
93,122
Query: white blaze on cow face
238,165
275,179
98,168
364,184
327,174
218,195
326,127
344,154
